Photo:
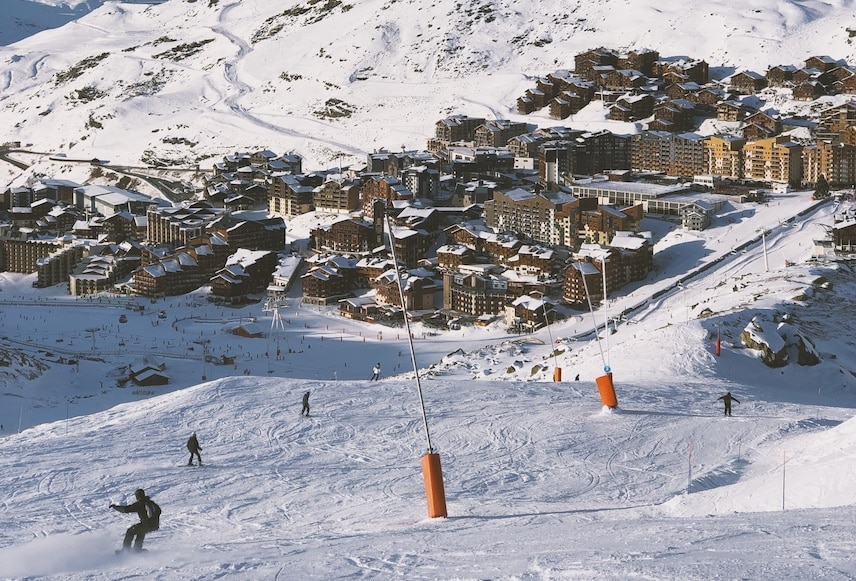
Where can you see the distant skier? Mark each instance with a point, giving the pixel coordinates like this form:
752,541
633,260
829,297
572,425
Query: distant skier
727,399
149,513
305,410
375,372
194,448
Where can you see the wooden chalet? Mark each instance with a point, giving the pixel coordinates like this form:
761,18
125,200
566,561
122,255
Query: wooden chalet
808,91
535,260
530,312
781,75
822,63
245,272
624,80
730,111
632,108
586,63
844,236
526,104
418,290
642,60
327,282
451,256
747,82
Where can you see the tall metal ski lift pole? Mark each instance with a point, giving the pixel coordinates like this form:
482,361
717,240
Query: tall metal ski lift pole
432,472
409,336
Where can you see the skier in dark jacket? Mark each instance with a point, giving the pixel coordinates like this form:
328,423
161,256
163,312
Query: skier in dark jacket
194,448
305,409
727,399
149,519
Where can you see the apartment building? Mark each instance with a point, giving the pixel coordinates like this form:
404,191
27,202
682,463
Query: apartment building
724,156
529,213
337,196
775,159
835,161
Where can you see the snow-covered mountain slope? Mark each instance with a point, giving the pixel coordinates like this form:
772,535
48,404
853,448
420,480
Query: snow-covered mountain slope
181,81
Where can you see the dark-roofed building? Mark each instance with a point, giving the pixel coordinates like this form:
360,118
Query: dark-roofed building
291,195
497,132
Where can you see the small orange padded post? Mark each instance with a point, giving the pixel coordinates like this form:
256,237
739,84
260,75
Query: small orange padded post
434,491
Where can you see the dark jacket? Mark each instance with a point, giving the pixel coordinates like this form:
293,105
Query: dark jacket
138,507
728,398
193,444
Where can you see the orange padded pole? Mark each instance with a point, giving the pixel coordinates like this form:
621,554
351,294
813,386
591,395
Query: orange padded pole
434,491
607,390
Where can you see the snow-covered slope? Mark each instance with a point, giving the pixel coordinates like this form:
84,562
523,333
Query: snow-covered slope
23,18
540,480
181,81
539,483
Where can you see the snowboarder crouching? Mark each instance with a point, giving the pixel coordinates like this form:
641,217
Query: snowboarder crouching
194,448
305,409
727,399
149,513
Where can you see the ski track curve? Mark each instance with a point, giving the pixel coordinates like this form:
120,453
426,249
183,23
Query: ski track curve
236,90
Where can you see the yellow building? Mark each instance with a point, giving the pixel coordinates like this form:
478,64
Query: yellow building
775,159
724,156
834,161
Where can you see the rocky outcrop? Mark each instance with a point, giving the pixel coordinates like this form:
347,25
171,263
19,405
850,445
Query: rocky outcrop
778,343
799,346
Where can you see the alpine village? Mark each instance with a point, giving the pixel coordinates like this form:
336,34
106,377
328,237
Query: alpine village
494,220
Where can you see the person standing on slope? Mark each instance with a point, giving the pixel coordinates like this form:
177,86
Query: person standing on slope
149,513
727,399
305,410
194,448
375,372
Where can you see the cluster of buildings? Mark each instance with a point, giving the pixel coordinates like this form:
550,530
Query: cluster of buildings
671,97
495,218
107,239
